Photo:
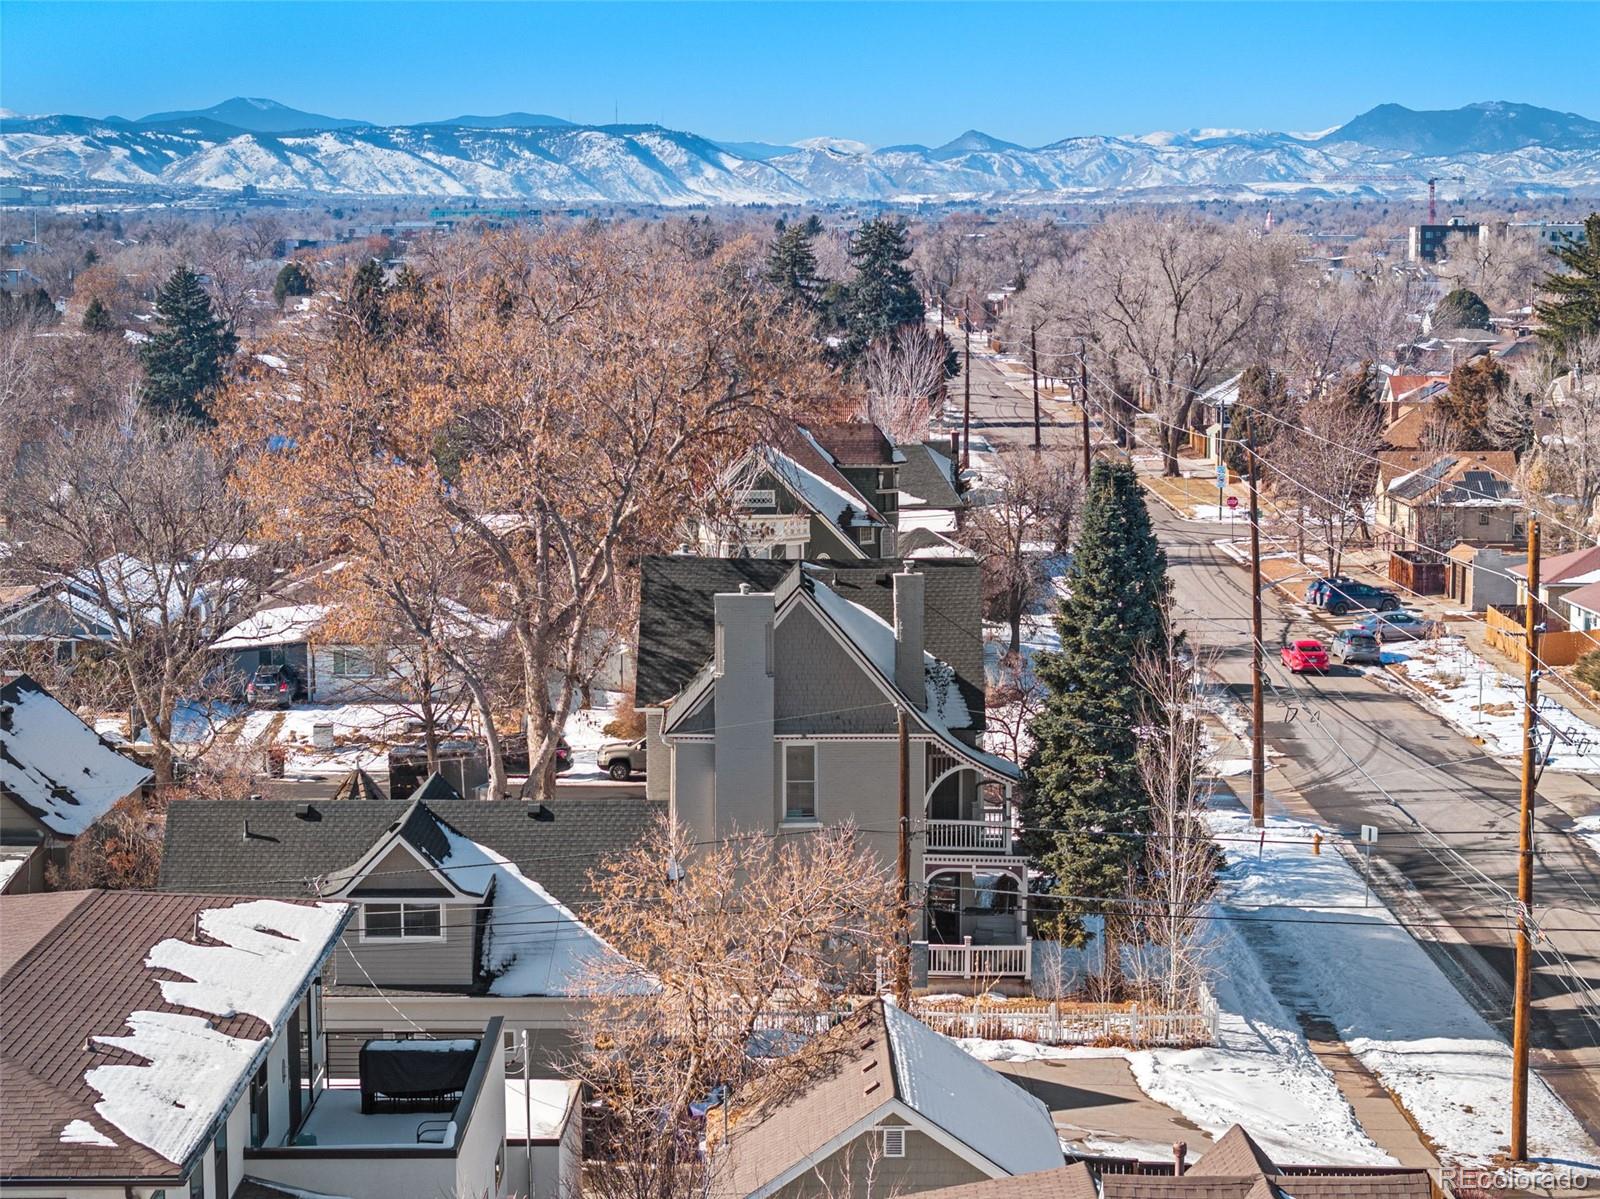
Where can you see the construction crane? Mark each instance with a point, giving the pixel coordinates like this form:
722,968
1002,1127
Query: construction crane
1433,206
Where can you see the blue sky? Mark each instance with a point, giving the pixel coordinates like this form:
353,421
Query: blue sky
882,73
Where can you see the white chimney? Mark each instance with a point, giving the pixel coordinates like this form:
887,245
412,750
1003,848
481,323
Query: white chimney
908,619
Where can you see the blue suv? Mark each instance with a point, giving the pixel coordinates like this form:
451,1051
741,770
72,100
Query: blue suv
1339,594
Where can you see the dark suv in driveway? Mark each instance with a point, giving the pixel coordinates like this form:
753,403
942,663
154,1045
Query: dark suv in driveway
1340,594
273,687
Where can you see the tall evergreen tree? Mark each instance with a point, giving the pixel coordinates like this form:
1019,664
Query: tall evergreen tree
1463,308
1081,784
292,280
1263,402
187,356
1573,311
882,295
792,264
97,318
368,291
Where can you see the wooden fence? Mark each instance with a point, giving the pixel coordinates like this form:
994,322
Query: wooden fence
1076,1024
1558,645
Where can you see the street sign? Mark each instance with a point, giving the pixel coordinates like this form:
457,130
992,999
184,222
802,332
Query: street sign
1369,833
1233,501
1222,474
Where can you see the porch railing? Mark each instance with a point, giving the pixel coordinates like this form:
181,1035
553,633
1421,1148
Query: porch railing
967,960
992,834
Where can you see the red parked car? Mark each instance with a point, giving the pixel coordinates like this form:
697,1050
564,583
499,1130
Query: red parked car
1303,655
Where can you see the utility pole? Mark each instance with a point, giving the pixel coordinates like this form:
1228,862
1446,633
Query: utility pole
1258,752
1522,997
902,979
1083,404
966,384
1033,354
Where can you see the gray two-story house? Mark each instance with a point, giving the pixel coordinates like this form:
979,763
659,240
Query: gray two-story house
772,695
796,499
462,910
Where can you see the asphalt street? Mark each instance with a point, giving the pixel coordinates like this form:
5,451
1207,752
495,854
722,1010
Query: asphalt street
1348,751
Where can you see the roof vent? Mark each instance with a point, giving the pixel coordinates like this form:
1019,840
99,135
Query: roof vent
308,812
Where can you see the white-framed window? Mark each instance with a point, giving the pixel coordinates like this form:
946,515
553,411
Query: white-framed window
402,922
353,662
799,782
894,1142
865,534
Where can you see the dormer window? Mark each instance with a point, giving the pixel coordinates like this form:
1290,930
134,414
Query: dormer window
402,922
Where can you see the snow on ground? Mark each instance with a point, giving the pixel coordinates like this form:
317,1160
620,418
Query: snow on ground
1588,829
1482,702
1398,1013
585,733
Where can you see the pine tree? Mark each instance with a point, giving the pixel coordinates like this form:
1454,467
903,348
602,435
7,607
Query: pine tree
1082,779
1463,308
186,358
292,280
368,291
1573,311
1263,399
1476,389
792,264
97,318
882,295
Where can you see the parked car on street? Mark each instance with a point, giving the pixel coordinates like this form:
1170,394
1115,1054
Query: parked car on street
1340,594
514,751
1305,654
272,687
1400,626
1352,646
622,759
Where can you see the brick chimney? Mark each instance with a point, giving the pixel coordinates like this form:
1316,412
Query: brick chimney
908,619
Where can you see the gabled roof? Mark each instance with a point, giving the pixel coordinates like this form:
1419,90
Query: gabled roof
1406,432
293,844
1413,388
855,443
1064,1182
435,789
928,477
1235,1155
123,1078
878,1058
54,766
677,613
421,830
358,784
1471,477
1563,566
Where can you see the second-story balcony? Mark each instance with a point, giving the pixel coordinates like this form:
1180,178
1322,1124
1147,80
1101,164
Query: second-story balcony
992,834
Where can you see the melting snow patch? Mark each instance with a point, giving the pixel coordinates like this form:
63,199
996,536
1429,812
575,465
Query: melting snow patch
81,1132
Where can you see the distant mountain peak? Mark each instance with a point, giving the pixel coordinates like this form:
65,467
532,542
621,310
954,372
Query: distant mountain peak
506,120
976,141
254,114
1486,127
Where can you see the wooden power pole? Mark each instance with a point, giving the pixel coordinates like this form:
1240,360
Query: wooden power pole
902,979
966,402
1033,354
1258,749
1523,995
1083,404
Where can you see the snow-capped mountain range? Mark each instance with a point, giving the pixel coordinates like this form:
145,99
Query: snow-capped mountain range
1495,147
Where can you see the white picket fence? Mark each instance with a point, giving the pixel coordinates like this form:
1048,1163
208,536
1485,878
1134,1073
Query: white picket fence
1068,1024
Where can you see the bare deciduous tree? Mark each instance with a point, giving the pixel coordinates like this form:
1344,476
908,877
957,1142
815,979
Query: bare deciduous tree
719,946
1178,874
142,518
903,376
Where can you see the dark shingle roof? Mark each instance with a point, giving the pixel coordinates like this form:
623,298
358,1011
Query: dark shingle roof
292,844
676,612
434,788
926,474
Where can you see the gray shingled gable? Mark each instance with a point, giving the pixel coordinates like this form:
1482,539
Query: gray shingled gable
925,474
292,844
676,612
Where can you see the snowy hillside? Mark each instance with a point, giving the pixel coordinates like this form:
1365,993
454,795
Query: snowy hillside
648,164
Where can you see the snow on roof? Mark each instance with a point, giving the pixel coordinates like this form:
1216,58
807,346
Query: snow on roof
267,949
545,1110
943,707
273,626
977,1105
56,767
833,503
81,1132
533,944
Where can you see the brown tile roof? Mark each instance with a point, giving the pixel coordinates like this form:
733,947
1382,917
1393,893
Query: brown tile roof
854,1078
1234,1155
77,970
1068,1182
855,443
